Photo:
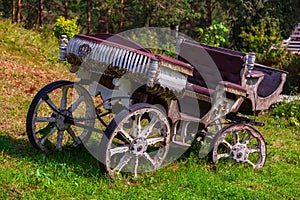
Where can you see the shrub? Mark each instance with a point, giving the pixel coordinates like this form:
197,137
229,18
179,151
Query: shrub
262,37
216,35
66,27
292,65
288,113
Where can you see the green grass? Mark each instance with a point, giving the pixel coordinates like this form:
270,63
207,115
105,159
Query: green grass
27,173
73,173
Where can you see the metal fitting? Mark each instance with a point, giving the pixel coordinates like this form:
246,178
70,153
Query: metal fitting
63,48
250,60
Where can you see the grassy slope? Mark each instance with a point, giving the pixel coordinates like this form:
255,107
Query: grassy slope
28,62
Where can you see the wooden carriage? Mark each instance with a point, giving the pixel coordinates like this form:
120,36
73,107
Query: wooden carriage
155,102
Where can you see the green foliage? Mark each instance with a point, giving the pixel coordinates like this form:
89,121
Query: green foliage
286,12
66,27
170,13
261,37
158,40
288,113
274,56
216,34
291,64
247,13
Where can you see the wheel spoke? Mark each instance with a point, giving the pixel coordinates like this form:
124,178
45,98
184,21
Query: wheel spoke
227,144
149,128
45,119
147,156
60,136
251,163
73,135
63,101
223,155
125,135
153,141
136,126
123,161
247,139
254,150
236,137
52,105
76,103
44,138
136,165
121,149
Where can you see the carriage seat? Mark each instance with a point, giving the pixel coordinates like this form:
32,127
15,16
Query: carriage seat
213,66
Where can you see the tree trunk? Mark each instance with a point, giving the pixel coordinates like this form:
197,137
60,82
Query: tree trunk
66,9
19,11
106,25
121,24
208,8
88,16
13,11
40,13
298,8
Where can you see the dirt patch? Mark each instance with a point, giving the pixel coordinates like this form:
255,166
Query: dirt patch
21,78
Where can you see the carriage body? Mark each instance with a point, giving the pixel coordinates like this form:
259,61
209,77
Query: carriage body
244,85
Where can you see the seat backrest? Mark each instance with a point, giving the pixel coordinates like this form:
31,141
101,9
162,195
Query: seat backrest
212,64
272,80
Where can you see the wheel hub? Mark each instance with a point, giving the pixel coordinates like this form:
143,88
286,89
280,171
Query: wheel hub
240,152
60,120
138,146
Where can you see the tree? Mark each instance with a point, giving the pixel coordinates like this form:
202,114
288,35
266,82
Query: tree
13,11
88,16
121,25
40,12
19,11
208,8
66,5
247,13
118,15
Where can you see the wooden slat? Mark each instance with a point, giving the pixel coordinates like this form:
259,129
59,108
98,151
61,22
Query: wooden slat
293,42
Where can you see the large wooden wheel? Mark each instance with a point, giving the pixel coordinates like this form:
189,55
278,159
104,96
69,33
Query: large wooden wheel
240,143
62,113
136,141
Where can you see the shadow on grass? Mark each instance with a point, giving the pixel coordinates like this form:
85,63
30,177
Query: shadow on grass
78,159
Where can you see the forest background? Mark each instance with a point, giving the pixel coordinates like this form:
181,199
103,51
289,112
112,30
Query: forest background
244,25
119,15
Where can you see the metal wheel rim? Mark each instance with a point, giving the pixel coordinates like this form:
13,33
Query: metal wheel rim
60,130
249,148
135,153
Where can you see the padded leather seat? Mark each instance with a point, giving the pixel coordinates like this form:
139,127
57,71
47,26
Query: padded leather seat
218,65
